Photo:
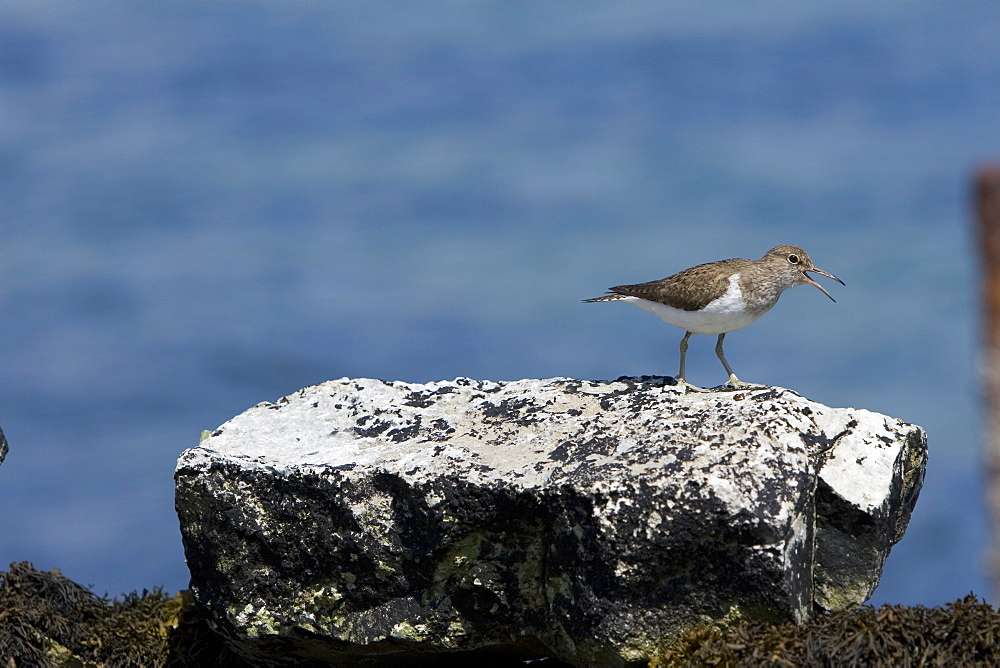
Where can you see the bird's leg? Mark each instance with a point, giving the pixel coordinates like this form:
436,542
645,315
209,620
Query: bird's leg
684,350
733,381
680,374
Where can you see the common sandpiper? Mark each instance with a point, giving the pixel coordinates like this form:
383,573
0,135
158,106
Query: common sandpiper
721,297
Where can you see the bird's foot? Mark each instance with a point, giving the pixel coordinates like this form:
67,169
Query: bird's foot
688,387
735,383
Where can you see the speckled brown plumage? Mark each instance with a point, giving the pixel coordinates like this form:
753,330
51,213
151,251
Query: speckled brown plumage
689,290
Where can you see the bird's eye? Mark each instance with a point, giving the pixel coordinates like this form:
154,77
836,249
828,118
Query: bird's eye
794,259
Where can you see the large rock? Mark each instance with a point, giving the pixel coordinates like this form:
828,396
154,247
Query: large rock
360,522
3,447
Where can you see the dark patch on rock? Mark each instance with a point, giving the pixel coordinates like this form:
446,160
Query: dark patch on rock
817,441
506,408
418,400
561,452
404,433
375,430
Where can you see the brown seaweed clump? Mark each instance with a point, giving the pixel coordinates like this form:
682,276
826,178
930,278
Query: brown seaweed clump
963,633
46,619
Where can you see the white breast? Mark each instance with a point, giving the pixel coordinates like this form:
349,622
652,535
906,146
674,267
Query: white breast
724,314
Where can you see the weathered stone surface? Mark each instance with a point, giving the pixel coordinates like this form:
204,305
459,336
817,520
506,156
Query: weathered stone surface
360,522
3,447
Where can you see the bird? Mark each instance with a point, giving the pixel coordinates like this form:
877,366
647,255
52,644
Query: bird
721,297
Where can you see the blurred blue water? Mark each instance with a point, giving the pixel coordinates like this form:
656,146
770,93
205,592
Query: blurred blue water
204,206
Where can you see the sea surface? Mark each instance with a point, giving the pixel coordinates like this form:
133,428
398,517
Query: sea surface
208,205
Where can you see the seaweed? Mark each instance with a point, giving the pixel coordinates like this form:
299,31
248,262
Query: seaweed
965,632
46,619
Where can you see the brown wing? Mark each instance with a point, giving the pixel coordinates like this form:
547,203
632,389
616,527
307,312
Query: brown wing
688,290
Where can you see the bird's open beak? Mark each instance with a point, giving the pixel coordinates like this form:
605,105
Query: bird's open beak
810,281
